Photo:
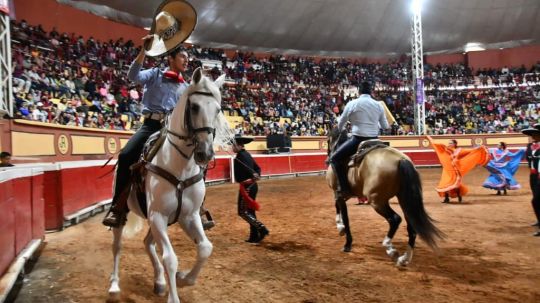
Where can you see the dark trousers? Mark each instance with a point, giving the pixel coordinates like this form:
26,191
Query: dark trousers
249,214
345,151
533,181
131,153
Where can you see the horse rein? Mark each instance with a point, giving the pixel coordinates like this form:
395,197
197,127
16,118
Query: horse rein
192,132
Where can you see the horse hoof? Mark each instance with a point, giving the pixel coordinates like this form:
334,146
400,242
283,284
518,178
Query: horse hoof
160,289
114,296
342,232
402,261
182,280
346,249
393,254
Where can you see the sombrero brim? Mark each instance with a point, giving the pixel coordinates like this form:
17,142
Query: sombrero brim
531,131
187,17
243,140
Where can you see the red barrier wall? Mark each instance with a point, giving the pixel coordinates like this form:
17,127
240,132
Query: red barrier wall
308,163
274,165
22,216
38,206
221,170
72,186
82,187
23,212
7,225
52,201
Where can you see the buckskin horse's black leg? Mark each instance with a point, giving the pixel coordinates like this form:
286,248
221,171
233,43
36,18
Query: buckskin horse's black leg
341,203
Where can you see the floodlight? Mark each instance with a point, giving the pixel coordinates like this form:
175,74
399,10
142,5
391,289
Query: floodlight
474,46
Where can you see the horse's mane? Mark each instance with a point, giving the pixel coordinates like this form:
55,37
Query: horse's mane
224,134
334,135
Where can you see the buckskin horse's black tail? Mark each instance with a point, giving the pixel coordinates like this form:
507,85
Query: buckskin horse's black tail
411,201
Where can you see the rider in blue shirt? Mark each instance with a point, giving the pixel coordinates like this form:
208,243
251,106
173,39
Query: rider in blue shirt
162,89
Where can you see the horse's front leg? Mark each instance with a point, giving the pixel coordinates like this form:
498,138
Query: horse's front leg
192,226
345,217
160,285
114,289
158,227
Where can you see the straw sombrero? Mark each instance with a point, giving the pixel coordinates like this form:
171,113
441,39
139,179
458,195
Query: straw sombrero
173,23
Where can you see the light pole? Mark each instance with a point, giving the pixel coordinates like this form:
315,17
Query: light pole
417,74
6,87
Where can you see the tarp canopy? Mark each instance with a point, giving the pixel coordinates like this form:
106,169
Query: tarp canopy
342,27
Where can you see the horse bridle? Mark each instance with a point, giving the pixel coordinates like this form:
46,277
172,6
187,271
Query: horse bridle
191,131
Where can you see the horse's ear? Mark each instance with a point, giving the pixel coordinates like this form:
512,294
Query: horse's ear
197,75
219,81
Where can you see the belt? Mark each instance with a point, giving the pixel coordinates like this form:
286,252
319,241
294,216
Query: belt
154,116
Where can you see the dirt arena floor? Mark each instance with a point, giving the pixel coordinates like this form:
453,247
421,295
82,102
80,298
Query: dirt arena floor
489,255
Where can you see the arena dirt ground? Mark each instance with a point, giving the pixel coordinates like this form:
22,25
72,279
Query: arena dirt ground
489,255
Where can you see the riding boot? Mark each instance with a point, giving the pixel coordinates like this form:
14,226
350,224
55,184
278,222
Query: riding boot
343,183
263,232
253,235
117,215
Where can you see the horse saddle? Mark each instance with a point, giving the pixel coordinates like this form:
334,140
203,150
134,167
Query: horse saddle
364,148
138,170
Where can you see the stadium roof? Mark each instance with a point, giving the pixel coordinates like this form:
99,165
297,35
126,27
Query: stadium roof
342,27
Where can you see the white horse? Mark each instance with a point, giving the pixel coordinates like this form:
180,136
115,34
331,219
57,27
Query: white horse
193,128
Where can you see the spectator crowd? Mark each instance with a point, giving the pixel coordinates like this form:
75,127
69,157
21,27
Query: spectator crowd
65,79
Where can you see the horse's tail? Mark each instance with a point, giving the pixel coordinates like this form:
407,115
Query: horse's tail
133,225
411,201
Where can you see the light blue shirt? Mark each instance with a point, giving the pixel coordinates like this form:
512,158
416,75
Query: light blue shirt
366,116
159,95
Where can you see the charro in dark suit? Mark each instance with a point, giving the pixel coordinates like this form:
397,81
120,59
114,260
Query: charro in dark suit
533,158
246,173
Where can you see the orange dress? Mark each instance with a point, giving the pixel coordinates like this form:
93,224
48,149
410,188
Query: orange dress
456,162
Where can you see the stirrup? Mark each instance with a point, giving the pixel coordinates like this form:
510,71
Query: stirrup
208,225
207,220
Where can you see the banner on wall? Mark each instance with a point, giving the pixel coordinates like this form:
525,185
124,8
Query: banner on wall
4,6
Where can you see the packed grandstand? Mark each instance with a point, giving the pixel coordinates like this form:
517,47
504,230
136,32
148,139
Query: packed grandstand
65,79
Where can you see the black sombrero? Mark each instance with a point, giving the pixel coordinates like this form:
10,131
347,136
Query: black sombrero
535,130
242,140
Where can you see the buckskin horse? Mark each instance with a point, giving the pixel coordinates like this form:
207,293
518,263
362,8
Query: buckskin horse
175,187
383,173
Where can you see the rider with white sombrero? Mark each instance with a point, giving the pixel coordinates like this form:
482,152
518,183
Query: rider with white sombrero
173,22
533,159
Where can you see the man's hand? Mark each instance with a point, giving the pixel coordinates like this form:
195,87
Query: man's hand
256,176
147,40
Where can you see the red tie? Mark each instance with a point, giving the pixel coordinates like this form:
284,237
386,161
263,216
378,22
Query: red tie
174,76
